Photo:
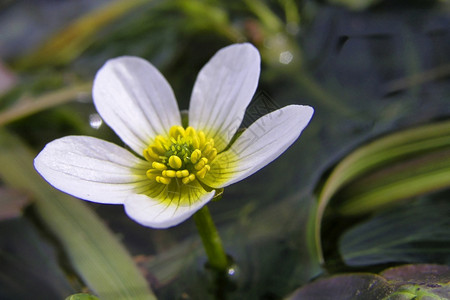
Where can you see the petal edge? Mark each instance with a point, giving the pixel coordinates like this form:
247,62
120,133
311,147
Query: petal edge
162,214
260,144
90,169
135,100
222,91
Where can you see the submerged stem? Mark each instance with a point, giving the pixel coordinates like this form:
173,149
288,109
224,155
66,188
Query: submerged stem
212,243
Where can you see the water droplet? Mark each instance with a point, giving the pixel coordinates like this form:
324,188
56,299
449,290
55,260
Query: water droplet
95,121
231,271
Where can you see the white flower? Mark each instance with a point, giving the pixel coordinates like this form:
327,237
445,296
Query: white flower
173,171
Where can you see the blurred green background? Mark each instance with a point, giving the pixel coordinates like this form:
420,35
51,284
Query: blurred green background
365,188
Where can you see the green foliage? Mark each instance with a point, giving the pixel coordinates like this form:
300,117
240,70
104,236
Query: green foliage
386,170
70,42
365,72
416,233
406,282
94,251
81,297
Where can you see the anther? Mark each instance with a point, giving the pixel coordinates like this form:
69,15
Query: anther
182,173
150,155
175,162
195,156
208,147
203,161
159,166
169,173
195,142
188,179
152,173
201,137
158,145
176,131
202,172
163,180
190,131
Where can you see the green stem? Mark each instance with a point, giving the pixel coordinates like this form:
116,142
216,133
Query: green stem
217,257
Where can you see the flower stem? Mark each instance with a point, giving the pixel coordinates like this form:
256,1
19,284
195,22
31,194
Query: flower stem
212,243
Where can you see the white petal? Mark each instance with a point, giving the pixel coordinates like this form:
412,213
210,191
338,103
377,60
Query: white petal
135,100
261,143
223,90
163,214
91,169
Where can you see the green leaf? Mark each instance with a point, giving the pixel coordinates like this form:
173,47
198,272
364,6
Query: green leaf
422,281
29,263
417,233
32,105
102,262
81,297
388,169
72,40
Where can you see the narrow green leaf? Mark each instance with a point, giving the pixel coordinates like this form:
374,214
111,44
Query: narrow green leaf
422,174
72,40
102,262
265,15
382,153
26,107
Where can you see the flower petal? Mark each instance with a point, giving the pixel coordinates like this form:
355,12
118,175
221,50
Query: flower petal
223,90
170,211
261,143
135,100
91,169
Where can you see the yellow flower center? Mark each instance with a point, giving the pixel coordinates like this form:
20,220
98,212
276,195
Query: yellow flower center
182,157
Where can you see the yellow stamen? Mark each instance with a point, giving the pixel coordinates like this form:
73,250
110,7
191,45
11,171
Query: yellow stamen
182,173
184,155
195,156
150,154
159,166
175,162
203,161
202,172
176,131
163,180
191,132
201,137
158,145
188,179
195,142
207,147
152,173
169,173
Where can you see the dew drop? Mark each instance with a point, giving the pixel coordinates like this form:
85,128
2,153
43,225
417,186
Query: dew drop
95,121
